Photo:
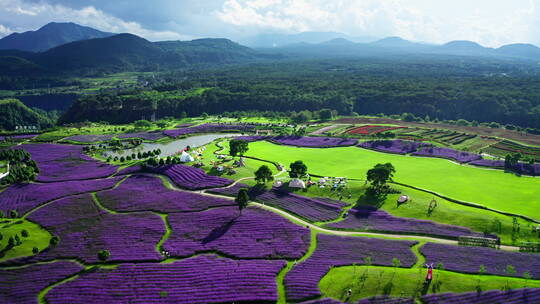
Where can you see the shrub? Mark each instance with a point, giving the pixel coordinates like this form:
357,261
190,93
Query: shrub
24,233
103,255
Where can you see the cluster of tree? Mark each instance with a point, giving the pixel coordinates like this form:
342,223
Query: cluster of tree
14,113
378,177
238,147
21,168
150,155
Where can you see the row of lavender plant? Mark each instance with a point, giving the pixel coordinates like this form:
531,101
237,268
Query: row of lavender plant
147,193
312,209
209,128
459,156
89,138
314,142
66,162
372,219
201,279
150,136
25,197
22,285
255,233
302,281
191,178
393,146
468,260
517,296
84,229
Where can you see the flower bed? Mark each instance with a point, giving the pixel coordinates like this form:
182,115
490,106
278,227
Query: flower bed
393,146
191,178
371,129
147,193
256,233
18,137
469,259
252,138
209,128
521,168
84,229
66,162
303,280
459,156
371,219
201,279
89,138
314,142
516,296
488,163
151,136
25,197
22,285
312,209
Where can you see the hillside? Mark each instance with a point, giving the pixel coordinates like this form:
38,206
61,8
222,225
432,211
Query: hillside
49,36
14,113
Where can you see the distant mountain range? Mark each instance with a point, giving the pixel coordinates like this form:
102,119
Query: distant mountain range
126,52
281,40
49,36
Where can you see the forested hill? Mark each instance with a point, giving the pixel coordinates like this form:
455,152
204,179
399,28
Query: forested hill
14,113
439,87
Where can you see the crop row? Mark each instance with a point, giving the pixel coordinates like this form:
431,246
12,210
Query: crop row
459,156
201,279
372,219
371,129
469,259
521,168
89,138
209,128
84,230
518,296
191,178
25,197
302,281
393,146
147,193
151,136
22,285
254,233
309,208
66,162
314,142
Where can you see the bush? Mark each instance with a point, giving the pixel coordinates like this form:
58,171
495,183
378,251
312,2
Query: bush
54,241
103,255
24,233
35,250
13,214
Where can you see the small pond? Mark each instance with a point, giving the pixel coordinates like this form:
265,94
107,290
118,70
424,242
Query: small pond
173,147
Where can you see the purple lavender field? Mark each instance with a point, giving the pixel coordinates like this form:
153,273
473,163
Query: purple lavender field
24,197
517,296
314,142
22,285
191,178
468,259
147,193
459,156
302,281
369,218
200,279
393,146
66,162
313,209
253,138
255,233
84,229
209,128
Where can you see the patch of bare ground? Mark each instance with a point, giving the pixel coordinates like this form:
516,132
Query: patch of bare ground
530,139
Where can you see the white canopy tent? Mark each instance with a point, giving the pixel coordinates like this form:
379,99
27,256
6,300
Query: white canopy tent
297,183
186,158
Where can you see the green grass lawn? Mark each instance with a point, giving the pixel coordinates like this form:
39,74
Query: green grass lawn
402,282
491,188
37,237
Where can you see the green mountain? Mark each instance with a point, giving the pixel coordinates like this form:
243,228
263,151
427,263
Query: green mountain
49,36
14,113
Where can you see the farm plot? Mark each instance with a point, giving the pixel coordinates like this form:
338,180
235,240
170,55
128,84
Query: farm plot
255,233
191,178
84,229
525,295
491,188
393,146
201,279
66,162
468,260
25,197
89,138
309,208
209,128
150,136
302,281
22,285
371,219
372,129
147,193
506,147
314,142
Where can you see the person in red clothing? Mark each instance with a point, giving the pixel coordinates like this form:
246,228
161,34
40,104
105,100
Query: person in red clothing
429,275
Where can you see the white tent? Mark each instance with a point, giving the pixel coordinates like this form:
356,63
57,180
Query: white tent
186,158
278,184
402,199
296,183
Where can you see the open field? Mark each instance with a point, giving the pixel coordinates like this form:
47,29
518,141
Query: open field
442,176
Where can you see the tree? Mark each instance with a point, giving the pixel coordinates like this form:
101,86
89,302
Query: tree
24,233
238,147
142,124
54,241
298,169
511,160
379,176
103,255
263,175
242,199
326,114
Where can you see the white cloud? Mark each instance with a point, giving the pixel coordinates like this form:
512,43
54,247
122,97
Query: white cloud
30,16
4,31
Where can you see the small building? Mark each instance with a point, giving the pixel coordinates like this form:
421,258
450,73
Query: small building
186,158
297,183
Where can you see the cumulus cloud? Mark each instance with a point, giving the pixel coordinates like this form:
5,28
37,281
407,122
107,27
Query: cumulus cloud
20,15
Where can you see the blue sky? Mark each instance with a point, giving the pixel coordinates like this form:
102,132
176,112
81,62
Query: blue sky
491,23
